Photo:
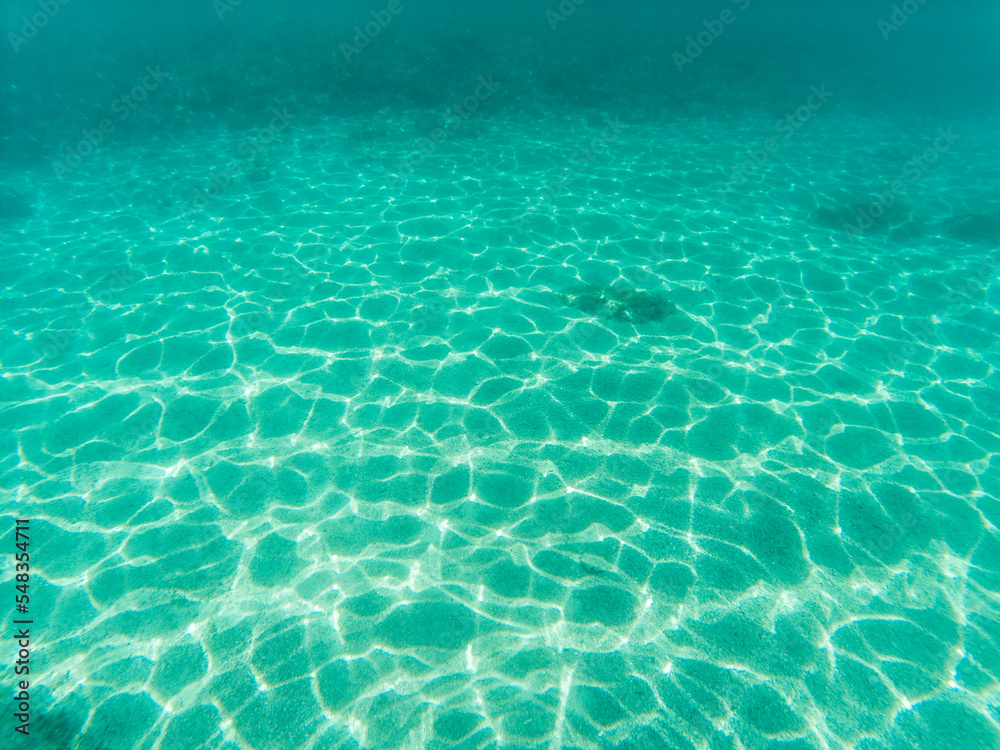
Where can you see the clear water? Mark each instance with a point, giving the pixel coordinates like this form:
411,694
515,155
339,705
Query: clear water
502,385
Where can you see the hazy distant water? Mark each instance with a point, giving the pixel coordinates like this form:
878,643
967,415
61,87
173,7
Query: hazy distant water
466,375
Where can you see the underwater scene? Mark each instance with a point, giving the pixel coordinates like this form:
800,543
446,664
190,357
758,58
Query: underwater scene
563,374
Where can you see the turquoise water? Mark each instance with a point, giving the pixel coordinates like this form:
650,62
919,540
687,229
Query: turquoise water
495,385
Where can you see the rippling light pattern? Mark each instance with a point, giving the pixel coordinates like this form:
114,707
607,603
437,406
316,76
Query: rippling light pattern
349,457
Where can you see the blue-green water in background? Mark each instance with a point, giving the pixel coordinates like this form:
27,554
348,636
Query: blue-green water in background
478,375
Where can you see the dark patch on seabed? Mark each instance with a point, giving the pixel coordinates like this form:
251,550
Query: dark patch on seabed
623,303
14,206
526,375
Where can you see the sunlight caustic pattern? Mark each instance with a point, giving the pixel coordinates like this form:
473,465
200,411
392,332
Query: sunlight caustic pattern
330,464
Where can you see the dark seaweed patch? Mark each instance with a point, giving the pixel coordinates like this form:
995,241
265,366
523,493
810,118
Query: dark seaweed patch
974,227
622,303
882,213
14,206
